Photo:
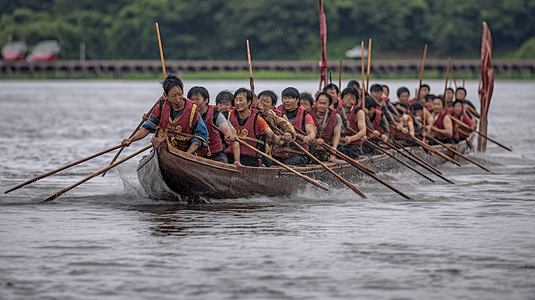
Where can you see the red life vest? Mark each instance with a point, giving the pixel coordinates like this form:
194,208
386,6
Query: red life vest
339,106
377,122
247,130
352,123
462,131
298,122
439,123
184,124
326,133
214,141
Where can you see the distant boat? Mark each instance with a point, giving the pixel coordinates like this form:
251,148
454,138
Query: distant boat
14,51
45,50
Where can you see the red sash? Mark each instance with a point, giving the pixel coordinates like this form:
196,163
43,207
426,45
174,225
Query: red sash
247,130
326,133
352,123
439,123
298,122
214,141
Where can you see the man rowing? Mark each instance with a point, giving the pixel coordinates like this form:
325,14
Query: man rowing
355,132
298,117
213,118
328,124
442,128
459,113
175,118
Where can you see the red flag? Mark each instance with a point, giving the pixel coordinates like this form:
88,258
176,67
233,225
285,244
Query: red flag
487,84
323,37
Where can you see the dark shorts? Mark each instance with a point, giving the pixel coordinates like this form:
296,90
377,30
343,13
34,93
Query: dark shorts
245,160
350,150
219,156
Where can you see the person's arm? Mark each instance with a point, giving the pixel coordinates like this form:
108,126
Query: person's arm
336,136
448,129
310,129
200,130
143,132
361,124
411,127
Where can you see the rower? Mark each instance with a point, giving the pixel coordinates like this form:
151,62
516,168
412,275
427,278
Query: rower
448,97
224,101
379,124
403,95
386,90
460,94
333,90
406,122
306,100
176,118
417,110
443,129
458,112
298,116
250,126
356,119
212,117
328,124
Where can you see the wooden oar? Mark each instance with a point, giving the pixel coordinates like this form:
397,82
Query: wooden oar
369,64
426,146
420,162
362,60
281,164
465,125
96,174
447,76
62,168
161,50
458,153
401,149
131,135
453,75
421,73
398,160
340,77
251,80
349,184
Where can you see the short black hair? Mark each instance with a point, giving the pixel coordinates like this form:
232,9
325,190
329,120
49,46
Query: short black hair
386,86
199,90
450,89
290,92
425,85
457,101
170,82
325,94
370,103
462,89
376,88
224,96
331,86
353,82
441,99
350,90
416,107
430,97
248,94
271,94
306,96
402,90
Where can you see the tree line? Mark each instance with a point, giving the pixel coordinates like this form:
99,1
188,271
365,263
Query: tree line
277,29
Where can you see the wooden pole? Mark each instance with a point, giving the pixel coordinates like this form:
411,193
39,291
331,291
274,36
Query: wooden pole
96,174
422,73
281,164
363,85
369,65
62,168
459,153
161,50
465,125
398,160
250,68
426,146
447,76
351,186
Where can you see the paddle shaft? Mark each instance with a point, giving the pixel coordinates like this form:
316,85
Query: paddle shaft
369,65
362,60
465,125
424,145
161,50
62,168
459,153
447,76
422,72
96,174
399,160
351,186
251,80
281,164
420,162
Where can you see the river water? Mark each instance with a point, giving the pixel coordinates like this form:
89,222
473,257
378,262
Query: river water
105,239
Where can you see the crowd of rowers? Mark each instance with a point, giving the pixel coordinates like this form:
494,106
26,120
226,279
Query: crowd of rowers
344,120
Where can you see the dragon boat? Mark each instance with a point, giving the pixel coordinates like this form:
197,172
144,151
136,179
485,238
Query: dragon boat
171,174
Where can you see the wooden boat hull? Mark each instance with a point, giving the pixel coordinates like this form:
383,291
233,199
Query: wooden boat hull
171,174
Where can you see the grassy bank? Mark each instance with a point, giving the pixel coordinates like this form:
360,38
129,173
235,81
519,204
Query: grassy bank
269,75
